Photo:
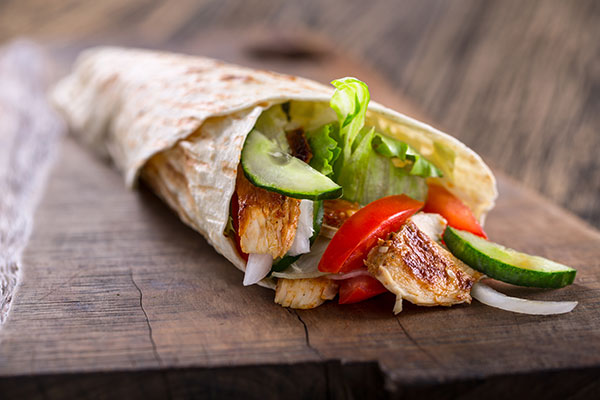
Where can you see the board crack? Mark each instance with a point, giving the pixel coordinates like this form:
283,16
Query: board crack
154,348
306,334
417,345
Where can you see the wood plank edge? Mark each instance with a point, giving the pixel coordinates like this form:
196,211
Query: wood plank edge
330,379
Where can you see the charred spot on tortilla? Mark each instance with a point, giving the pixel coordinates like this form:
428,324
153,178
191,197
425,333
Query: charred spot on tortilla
228,169
108,82
194,70
243,78
186,121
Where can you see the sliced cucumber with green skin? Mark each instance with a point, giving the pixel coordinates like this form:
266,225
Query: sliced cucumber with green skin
507,265
286,261
269,167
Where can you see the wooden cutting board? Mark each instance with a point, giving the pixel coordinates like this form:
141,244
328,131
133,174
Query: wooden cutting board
118,295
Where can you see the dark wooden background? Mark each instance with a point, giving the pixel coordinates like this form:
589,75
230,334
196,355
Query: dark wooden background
519,81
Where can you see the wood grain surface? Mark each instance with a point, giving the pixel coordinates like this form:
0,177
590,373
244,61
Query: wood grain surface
118,292
516,80
114,281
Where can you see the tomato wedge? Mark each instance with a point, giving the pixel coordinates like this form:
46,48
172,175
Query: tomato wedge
359,288
458,215
359,233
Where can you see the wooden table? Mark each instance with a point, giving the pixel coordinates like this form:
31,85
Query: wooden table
120,299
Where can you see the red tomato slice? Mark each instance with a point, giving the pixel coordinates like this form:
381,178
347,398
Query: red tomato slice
359,288
359,233
458,215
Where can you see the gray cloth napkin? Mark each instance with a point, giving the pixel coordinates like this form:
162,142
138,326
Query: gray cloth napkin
29,133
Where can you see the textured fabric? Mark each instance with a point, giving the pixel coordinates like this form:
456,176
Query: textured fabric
29,132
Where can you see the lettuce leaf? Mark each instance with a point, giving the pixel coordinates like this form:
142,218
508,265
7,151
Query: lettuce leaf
421,167
367,164
409,157
349,101
365,173
389,147
324,148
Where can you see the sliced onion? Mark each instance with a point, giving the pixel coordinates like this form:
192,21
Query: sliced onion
307,266
301,244
257,267
493,298
328,231
433,225
356,272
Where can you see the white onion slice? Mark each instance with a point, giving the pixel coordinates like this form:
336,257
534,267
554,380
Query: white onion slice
307,266
357,272
257,267
493,298
304,231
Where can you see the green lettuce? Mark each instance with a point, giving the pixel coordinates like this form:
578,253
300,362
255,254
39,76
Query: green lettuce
365,167
367,164
349,101
324,147
367,175
415,163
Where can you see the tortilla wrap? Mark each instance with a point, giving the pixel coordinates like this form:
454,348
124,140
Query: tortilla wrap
180,123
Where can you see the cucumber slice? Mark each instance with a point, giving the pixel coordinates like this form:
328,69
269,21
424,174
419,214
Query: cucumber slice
267,166
507,265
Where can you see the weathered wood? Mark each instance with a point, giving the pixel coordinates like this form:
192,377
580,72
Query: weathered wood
329,380
326,380
113,281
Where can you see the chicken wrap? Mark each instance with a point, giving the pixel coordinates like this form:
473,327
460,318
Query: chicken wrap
312,190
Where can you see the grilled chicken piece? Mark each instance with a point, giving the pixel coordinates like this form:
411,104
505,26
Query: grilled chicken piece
267,220
304,293
414,267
